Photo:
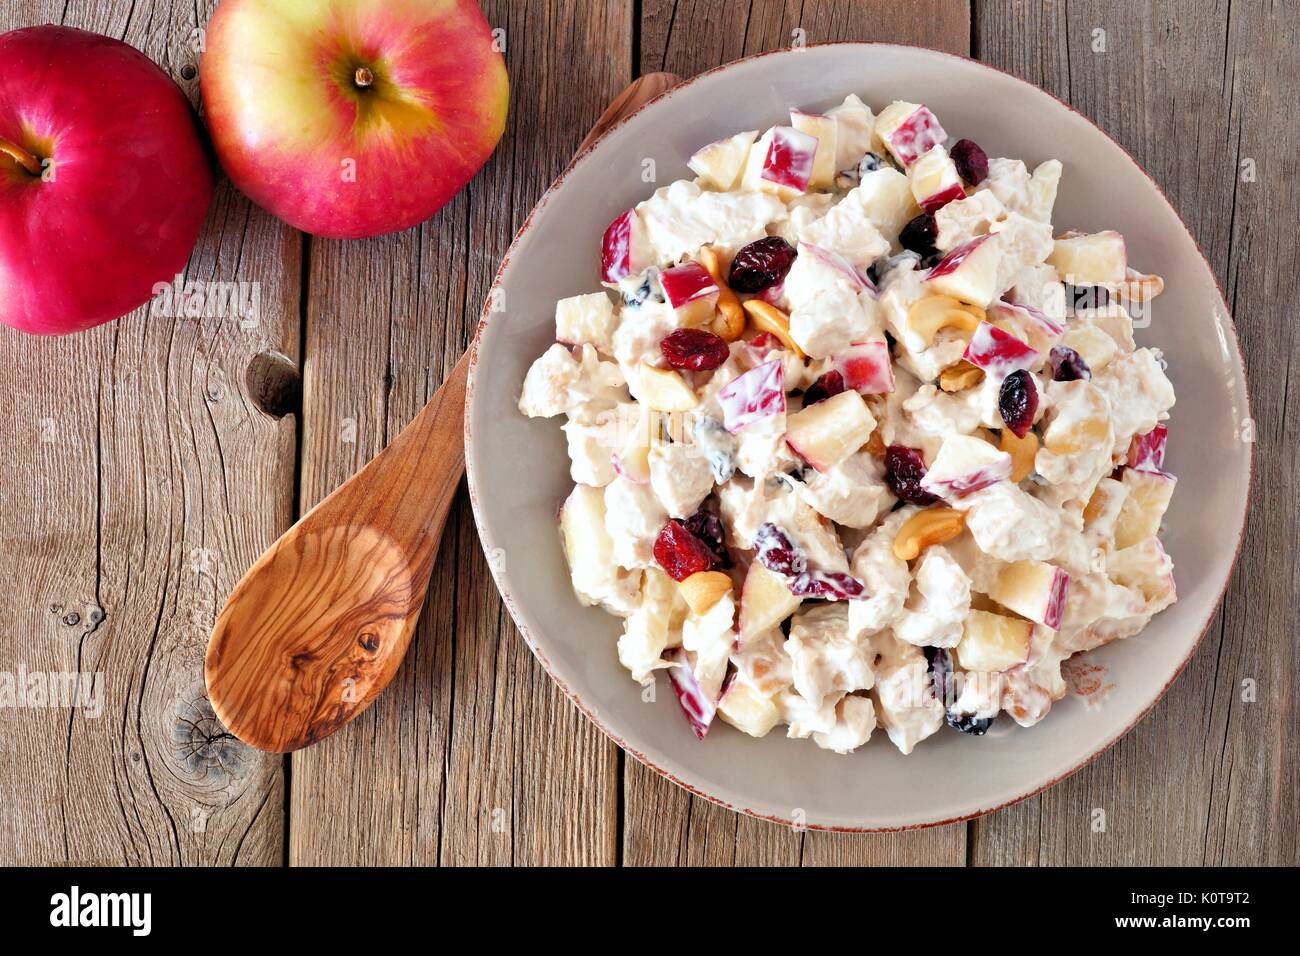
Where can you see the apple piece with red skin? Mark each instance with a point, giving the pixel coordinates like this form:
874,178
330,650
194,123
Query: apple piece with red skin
695,704
839,264
624,248
866,368
1147,452
104,183
964,465
753,396
353,119
1037,328
909,131
691,292
998,352
1034,589
781,162
821,128
968,273
935,181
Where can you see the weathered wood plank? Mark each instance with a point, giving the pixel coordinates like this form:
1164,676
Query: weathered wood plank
473,755
1193,91
140,482
664,825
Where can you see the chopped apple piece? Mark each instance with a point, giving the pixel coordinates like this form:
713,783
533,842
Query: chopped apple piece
753,396
691,293
854,131
886,195
1147,452
968,273
781,163
625,250
993,642
965,464
1027,323
1146,567
866,367
828,432
748,711
821,128
720,164
662,389
909,131
586,319
835,262
997,352
1094,346
695,703
1098,258
935,181
1034,589
1148,498
587,545
765,601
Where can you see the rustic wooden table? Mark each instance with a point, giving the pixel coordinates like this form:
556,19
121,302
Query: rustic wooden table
146,467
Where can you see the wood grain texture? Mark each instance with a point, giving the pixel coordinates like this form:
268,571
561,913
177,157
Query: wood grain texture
320,623
140,482
1193,90
519,775
664,825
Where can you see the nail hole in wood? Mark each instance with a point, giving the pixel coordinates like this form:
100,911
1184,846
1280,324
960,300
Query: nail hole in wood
274,384
188,72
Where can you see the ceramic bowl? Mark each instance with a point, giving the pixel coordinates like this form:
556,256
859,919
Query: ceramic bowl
518,470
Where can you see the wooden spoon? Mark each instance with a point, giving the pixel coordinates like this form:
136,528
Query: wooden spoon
320,623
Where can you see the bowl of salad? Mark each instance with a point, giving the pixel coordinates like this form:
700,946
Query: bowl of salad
860,436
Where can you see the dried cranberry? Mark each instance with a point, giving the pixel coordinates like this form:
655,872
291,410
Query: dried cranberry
681,553
834,585
972,162
696,349
707,526
830,383
761,264
1018,401
919,235
1068,365
1087,296
904,469
777,552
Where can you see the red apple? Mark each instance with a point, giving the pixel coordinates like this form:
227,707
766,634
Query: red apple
352,118
104,184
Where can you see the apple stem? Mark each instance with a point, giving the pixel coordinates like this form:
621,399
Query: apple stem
20,156
364,77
